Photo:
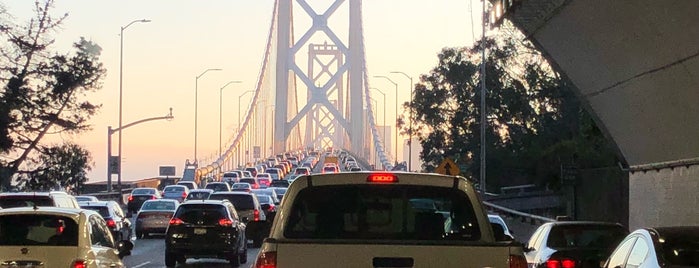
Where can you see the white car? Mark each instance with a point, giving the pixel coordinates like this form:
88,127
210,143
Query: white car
58,237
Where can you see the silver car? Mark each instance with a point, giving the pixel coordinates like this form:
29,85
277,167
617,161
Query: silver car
154,217
175,192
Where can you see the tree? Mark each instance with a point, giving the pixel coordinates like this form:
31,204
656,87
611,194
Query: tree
63,166
42,91
535,122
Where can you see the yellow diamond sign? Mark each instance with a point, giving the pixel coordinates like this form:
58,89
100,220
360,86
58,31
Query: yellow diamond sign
448,167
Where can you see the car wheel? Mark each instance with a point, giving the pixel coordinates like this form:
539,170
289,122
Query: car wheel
235,260
170,260
244,255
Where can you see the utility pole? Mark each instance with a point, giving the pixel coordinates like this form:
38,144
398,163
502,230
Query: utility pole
483,110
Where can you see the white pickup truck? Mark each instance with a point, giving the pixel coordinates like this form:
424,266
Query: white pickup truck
367,219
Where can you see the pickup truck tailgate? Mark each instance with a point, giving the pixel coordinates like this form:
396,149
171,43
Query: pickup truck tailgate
390,255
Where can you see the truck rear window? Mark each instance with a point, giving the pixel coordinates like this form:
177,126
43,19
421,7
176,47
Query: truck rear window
386,212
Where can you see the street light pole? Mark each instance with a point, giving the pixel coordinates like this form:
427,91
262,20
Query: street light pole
483,110
396,124
121,76
196,95
240,127
111,131
384,113
220,114
410,122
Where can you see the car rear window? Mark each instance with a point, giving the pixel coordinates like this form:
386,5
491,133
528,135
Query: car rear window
372,212
585,236
25,201
158,205
38,230
143,191
198,195
174,189
202,214
217,186
265,199
250,181
102,210
240,201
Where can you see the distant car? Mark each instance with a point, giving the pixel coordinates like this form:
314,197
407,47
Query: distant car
208,228
117,222
140,195
272,192
657,247
175,192
40,199
190,184
248,207
280,192
199,194
252,170
218,186
154,217
355,168
264,179
252,181
279,183
302,171
241,187
580,243
267,203
496,219
331,169
58,237
81,198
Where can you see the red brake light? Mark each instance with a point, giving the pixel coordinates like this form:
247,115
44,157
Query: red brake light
184,195
553,264
152,197
267,260
271,207
518,261
111,223
176,221
382,178
225,222
568,263
130,198
565,263
78,264
256,214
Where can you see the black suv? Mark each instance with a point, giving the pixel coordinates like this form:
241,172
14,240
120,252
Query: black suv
118,223
206,229
251,210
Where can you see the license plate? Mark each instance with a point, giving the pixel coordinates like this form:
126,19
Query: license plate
199,231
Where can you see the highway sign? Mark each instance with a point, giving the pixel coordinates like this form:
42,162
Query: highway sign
448,167
113,164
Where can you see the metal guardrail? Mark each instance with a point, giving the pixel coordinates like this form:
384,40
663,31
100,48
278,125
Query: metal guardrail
526,216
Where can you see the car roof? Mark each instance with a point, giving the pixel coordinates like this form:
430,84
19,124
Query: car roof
32,193
231,193
62,211
201,190
96,203
161,200
205,202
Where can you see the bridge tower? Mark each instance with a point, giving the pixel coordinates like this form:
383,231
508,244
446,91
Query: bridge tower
319,95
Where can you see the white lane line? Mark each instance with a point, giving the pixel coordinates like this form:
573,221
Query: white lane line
141,265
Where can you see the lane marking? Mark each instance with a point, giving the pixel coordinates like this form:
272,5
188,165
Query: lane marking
141,265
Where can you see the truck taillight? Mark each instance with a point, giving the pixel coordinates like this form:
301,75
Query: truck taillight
563,263
267,260
78,264
518,261
382,178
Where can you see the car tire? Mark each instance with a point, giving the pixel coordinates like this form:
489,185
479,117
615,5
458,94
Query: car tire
244,254
234,260
139,235
170,260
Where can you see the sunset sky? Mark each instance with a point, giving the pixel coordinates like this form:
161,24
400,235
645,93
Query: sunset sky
184,38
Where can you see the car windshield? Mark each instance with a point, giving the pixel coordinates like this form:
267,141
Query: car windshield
381,212
158,205
38,230
584,236
240,201
202,214
143,191
25,201
102,210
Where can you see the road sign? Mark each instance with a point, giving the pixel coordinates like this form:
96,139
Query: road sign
113,164
448,167
256,151
167,171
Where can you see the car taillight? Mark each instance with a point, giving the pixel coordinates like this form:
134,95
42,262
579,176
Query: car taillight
111,223
271,208
130,198
176,221
518,261
78,264
382,178
564,263
225,222
256,215
266,260
184,195
152,197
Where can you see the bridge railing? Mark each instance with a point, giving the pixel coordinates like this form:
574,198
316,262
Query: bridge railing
525,217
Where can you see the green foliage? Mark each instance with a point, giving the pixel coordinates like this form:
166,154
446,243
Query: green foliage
535,122
41,92
63,166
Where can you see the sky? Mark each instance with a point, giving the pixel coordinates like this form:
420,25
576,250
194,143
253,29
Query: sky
162,58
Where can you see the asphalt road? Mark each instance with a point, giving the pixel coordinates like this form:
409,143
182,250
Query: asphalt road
150,253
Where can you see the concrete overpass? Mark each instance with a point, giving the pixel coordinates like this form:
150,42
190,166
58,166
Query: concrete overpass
635,65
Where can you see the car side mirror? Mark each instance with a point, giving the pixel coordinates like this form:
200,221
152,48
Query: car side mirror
124,248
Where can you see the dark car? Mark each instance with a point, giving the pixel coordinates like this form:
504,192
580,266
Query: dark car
206,229
272,192
279,183
252,181
119,225
218,186
582,243
252,170
658,247
140,195
267,205
248,207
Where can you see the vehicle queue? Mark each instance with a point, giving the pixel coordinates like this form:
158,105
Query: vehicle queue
226,216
